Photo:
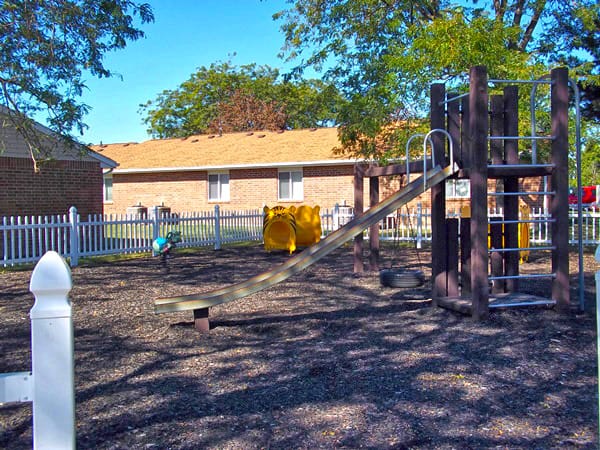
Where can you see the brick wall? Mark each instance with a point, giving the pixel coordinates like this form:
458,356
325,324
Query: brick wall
253,188
249,189
58,186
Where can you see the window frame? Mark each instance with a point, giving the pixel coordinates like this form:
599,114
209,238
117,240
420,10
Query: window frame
452,188
107,188
293,186
222,196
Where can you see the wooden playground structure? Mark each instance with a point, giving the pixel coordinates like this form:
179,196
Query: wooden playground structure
475,261
473,269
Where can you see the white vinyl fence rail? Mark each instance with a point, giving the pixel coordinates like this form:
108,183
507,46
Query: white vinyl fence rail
26,239
50,385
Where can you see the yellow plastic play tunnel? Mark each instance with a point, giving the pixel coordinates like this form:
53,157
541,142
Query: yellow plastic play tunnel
289,228
308,225
279,229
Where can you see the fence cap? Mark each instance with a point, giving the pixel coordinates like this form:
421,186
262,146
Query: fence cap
51,283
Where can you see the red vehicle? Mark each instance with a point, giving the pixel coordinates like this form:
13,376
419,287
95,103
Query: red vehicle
588,195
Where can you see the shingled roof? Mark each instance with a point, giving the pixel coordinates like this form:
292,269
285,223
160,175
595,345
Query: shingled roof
228,151
13,144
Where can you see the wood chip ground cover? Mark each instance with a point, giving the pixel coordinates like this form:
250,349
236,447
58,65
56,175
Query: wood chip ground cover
322,360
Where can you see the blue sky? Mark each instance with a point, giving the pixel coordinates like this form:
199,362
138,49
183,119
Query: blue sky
186,34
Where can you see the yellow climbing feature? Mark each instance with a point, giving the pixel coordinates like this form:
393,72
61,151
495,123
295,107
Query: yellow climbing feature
289,228
308,225
524,233
279,229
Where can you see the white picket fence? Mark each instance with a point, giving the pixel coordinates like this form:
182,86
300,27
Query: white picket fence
25,239
415,225
50,386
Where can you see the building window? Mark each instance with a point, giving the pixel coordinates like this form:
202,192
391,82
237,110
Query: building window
218,187
290,185
108,188
458,189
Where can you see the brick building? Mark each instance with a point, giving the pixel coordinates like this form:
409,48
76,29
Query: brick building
73,176
240,171
235,171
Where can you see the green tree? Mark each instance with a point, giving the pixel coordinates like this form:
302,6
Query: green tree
384,54
48,46
230,98
575,43
590,163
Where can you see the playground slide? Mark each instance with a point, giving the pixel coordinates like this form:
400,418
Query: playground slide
310,255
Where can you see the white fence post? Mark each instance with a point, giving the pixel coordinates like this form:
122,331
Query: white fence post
52,355
335,220
217,228
155,227
74,250
156,223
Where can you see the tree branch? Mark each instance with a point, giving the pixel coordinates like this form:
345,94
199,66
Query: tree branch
519,5
500,10
528,35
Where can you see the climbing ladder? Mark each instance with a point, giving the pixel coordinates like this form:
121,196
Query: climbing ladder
485,134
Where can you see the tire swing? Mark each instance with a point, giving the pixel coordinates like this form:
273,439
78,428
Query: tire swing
402,277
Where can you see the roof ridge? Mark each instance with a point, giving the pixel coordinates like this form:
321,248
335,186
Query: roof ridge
191,137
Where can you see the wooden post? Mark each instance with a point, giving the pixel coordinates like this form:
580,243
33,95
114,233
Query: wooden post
374,230
478,146
465,256
358,211
453,108
497,155
439,255
465,155
201,322
496,258
511,184
452,239
559,206
496,127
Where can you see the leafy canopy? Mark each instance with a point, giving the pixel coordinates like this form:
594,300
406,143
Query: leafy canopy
47,48
225,98
384,54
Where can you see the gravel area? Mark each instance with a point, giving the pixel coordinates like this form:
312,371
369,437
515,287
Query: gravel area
325,359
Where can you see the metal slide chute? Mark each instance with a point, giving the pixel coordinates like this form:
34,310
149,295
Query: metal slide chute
310,255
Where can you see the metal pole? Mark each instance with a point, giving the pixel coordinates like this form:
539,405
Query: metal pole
579,193
597,256
419,225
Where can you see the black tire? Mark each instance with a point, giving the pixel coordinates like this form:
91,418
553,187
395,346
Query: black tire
401,278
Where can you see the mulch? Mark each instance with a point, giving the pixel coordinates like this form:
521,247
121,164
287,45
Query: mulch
325,359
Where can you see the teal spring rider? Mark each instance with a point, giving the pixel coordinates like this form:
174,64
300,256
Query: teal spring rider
162,245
